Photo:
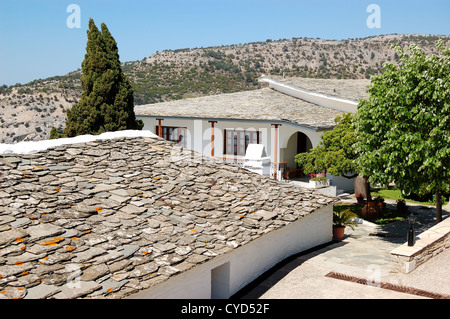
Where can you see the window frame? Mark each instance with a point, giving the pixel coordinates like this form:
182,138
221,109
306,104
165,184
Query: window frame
168,134
237,141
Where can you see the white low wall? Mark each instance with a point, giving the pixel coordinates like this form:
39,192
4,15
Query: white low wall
243,265
199,134
343,184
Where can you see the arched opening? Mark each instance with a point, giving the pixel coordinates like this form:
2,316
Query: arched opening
303,143
297,143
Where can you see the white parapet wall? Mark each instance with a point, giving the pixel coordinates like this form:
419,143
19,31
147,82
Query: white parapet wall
38,146
312,97
225,275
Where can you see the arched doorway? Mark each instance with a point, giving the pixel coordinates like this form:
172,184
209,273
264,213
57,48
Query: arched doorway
297,143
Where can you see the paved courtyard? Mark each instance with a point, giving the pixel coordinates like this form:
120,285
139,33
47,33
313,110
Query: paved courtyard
365,254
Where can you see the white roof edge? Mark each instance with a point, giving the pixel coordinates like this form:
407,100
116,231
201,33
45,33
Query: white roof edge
327,101
37,146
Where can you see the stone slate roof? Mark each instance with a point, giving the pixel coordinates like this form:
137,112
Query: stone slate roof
264,104
108,218
349,89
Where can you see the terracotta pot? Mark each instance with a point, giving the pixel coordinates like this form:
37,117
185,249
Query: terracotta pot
366,212
371,204
338,232
372,211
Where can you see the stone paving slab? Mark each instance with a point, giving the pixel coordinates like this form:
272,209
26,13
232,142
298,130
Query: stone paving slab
309,281
360,255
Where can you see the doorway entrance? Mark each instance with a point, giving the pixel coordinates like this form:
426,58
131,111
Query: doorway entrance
298,143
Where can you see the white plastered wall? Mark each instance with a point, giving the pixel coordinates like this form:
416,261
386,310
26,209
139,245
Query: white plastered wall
288,152
248,262
199,127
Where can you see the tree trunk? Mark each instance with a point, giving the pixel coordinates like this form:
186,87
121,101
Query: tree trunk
367,186
438,206
362,187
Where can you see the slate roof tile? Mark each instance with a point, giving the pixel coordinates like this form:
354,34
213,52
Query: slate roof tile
264,104
154,219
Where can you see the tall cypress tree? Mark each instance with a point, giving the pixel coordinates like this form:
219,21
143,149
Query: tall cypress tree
107,100
121,114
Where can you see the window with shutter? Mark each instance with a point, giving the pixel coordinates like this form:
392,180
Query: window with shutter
237,141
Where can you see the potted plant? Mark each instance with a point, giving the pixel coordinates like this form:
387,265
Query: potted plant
341,220
372,210
401,205
380,201
318,180
360,198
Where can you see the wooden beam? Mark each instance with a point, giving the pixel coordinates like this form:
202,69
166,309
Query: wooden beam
212,137
159,127
276,150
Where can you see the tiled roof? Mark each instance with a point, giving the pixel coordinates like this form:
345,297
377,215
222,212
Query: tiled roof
264,104
108,218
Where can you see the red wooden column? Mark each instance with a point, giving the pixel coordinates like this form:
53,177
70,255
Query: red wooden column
276,150
212,137
159,127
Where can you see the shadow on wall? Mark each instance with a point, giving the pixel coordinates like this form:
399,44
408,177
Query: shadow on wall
263,283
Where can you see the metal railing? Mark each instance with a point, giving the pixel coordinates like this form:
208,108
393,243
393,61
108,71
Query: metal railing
277,170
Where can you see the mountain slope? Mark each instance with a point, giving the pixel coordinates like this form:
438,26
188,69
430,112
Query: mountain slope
27,112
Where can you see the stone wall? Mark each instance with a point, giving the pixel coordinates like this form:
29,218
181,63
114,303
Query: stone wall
427,245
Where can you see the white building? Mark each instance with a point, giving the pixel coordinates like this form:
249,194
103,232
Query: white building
283,117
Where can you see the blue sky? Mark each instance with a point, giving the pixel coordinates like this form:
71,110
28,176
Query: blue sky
35,41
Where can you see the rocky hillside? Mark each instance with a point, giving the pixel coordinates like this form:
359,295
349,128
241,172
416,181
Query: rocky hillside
27,112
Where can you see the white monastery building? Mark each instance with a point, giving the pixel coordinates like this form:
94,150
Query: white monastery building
287,117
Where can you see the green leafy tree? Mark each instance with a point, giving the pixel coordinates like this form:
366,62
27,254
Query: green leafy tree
335,153
107,102
403,128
